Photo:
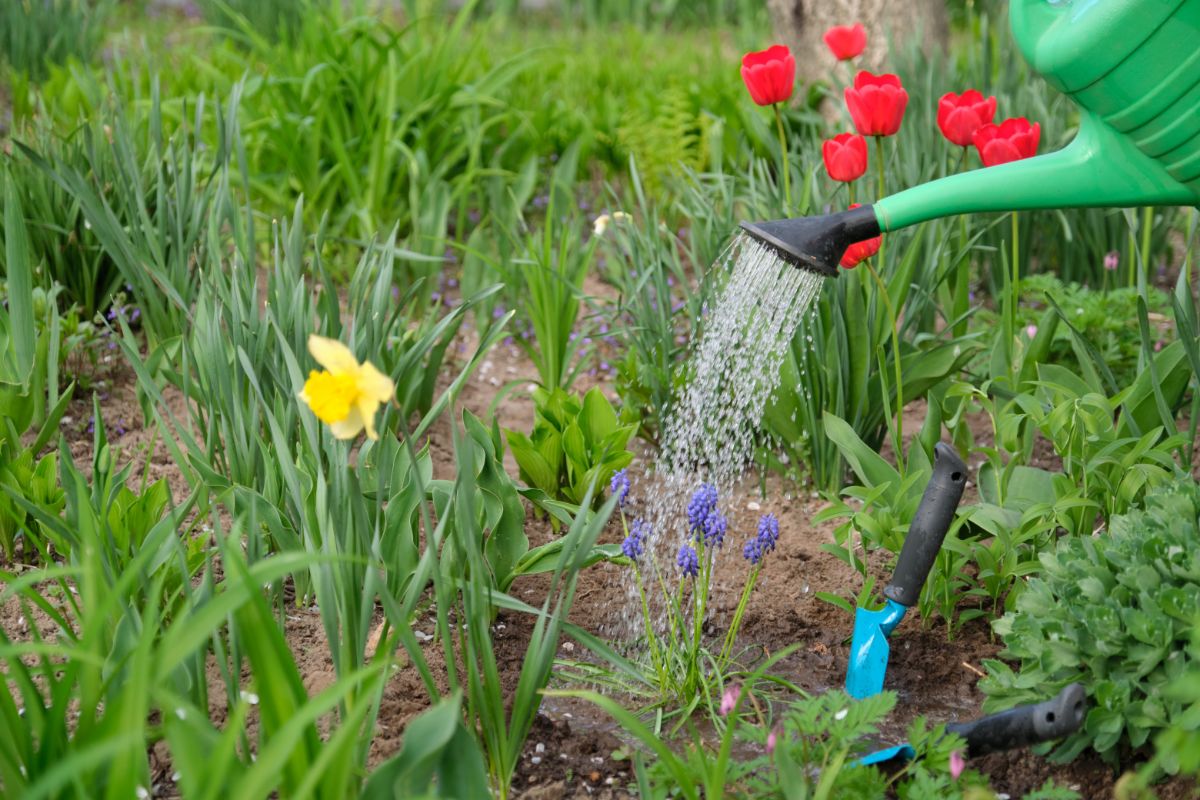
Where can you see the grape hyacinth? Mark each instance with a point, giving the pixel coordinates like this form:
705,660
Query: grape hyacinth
704,519
764,541
635,543
620,487
688,561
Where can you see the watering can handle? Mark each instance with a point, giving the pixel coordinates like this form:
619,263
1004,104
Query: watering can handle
929,526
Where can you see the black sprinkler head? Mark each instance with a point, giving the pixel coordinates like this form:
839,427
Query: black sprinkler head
816,243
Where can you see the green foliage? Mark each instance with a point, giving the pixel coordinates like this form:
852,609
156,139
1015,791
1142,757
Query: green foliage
1114,612
1102,317
268,20
153,201
501,515
37,33
575,443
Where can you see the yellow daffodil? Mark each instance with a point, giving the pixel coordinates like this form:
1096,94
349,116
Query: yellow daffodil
345,395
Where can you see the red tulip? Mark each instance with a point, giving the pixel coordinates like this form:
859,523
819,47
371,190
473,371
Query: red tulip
959,116
1011,140
845,156
846,41
769,74
860,251
876,103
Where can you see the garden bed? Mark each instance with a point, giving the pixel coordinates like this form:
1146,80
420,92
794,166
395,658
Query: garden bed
574,749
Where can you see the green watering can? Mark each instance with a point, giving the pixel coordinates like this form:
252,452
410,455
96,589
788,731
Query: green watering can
1132,66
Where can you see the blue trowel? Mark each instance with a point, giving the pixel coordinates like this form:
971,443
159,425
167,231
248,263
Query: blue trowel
869,647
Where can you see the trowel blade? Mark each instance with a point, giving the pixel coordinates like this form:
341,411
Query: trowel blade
869,650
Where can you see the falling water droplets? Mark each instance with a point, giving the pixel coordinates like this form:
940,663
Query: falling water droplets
710,430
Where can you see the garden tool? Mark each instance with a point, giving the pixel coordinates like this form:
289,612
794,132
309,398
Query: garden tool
1132,67
869,648
1018,727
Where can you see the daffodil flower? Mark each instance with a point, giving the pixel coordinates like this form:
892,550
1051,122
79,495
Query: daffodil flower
345,395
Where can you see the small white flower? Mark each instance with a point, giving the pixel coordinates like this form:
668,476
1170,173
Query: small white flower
604,220
142,792
841,715
250,697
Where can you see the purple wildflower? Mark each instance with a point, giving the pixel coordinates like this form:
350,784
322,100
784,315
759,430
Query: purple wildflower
619,486
703,502
688,561
635,543
714,529
764,541
1112,260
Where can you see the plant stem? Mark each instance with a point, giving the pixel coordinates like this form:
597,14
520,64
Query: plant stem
1014,293
784,166
898,439
1147,223
737,616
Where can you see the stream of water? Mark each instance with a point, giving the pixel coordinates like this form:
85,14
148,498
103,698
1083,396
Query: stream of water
709,433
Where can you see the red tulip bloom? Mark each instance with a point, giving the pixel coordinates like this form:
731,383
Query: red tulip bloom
860,251
846,41
769,74
1011,140
845,157
876,103
959,116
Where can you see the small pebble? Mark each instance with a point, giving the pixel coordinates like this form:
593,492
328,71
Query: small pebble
536,760
753,506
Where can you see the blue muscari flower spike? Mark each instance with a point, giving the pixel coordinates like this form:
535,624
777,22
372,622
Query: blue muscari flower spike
635,543
620,487
714,529
688,561
703,503
764,541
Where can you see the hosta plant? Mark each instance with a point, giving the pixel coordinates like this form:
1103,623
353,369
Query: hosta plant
573,444
1114,612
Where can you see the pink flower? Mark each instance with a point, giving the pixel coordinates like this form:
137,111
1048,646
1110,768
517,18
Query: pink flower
1031,331
771,738
730,699
1112,260
957,764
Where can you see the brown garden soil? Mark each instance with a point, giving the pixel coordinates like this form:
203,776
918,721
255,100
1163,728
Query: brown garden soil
574,750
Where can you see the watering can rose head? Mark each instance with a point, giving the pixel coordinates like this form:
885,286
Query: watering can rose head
846,41
960,116
770,75
1011,140
876,103
345,395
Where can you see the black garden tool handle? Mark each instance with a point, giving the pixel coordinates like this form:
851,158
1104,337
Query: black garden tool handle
1025,725
929,526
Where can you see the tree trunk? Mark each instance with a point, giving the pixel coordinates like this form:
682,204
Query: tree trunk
800,24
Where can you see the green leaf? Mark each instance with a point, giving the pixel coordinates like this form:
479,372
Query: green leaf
868,465
598,419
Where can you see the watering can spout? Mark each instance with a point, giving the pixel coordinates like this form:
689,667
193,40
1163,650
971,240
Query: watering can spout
1132,67
1099,168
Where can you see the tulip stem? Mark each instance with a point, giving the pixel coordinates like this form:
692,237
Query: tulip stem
882,187
784,165
898,439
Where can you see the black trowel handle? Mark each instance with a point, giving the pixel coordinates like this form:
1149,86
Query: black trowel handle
1025,725
929,526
